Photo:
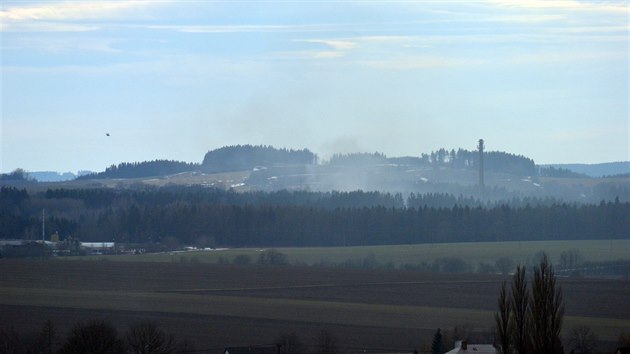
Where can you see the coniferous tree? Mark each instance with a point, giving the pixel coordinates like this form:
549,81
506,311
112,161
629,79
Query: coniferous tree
437,346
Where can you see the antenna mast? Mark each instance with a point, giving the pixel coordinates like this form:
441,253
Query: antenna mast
481,179
43,225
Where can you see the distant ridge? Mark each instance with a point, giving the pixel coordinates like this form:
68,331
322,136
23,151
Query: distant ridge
596,170
53,176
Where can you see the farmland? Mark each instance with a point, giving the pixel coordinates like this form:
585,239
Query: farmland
218,305
473,253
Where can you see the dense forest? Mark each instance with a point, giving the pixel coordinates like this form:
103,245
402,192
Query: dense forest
143,169
247,157
494,161
225,218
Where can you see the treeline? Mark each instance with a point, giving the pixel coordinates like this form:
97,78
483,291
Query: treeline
559,173
17,175
358,159
143,169
247,157
298,218
294,226
94,336
494,161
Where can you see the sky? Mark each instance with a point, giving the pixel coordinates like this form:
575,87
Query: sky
175,79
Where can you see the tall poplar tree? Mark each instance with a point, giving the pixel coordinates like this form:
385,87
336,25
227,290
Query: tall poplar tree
520,308
546,310
504,321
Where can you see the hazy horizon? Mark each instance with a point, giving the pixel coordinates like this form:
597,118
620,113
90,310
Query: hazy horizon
321,161
172,80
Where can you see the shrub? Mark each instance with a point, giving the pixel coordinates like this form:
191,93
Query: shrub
242,259
93,337
273,257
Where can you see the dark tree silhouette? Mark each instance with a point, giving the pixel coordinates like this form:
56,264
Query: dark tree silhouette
582,340
95,337
503,320
47,337
546,310
273,257
437,345
147,338
289,343
10,341
326,343
520,309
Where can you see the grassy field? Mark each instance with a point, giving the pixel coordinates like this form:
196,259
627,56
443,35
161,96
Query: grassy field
473,253
216,306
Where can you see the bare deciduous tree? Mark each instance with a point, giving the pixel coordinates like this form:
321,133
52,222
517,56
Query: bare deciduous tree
546,310
289,344
582,340
327,343
93,337
520,308
146,337
504,321
47,337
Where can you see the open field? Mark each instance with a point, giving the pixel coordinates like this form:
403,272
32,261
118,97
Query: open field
216,306
473,253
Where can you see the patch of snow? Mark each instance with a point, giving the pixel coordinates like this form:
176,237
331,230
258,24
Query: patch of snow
237,185
424,179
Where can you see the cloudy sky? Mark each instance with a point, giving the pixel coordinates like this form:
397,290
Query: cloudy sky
174,79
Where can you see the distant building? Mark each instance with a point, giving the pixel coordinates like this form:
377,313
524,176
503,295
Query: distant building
13,242
462,347
96,248
252,350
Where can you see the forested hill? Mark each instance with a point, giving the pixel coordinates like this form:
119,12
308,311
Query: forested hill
494,161
143,169
249,157
246,157
598,170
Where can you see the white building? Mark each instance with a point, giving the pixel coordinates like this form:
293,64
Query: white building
462,347
99,247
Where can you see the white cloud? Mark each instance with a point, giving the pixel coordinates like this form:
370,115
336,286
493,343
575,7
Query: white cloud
46,27
59,16
64,44
245,28
419,62
307,54
524,18
618,6
337,44
72,10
